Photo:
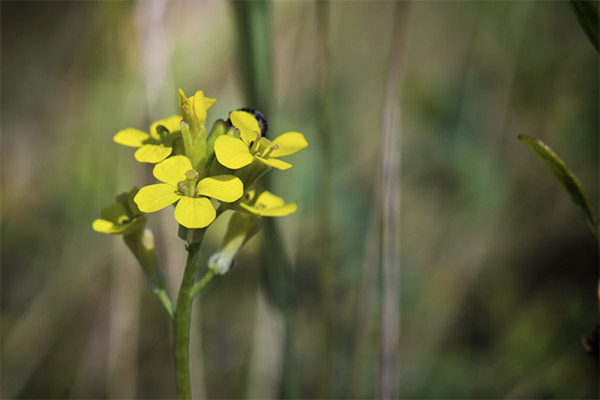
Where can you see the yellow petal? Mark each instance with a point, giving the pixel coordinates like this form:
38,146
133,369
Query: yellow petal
247,124
172,170
131,137
275,163
194,212
288,143
208,102
232,152
268,200
155,197
153,153
172,124
102,226
280,211
227,188
272,212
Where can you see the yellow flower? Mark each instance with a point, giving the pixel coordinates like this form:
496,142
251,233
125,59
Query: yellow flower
266,204
182,185
194,109
154,146
121,217
236,153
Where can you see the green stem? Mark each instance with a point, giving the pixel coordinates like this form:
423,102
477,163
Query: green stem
200,285
166,302
183,319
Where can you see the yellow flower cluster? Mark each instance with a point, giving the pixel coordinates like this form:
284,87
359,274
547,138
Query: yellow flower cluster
194,168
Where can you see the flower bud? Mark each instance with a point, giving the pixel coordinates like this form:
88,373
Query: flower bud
241,228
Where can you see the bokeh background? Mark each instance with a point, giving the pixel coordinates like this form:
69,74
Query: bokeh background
432,256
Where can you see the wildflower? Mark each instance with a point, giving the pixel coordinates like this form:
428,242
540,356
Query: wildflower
121,217
266,204
181,185
124,218
154,146
236,153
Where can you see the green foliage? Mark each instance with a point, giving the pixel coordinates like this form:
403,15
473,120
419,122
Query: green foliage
567,179
588,15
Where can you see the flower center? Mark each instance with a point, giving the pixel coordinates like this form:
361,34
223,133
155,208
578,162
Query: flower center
188,186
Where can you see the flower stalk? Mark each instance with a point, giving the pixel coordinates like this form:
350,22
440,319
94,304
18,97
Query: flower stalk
183,318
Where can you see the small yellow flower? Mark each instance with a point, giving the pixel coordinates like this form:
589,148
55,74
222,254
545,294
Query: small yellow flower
236,153
266,204
182,185
121,217
154,146
194,109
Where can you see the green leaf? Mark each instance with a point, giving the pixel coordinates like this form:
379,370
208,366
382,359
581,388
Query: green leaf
567,179
588,16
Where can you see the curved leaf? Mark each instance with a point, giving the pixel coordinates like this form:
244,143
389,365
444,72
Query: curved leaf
567,179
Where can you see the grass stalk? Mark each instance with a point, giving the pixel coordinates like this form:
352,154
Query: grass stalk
326,267
389,373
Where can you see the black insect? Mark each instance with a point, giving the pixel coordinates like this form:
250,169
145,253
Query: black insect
262,122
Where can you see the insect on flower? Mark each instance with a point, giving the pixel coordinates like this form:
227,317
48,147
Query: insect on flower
260,118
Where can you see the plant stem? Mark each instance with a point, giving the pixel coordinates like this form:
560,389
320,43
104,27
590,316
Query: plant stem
166,302
183,319
200,285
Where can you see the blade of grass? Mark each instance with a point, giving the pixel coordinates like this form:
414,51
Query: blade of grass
588,16
325,182
253,22
566,178
390,233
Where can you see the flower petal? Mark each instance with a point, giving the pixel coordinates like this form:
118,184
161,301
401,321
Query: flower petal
232,153
172,124
247,124
156,197
102,226
131,137
194,212
275,163
268,200
153,153
288,143
227,188
172,170
272,212
280,211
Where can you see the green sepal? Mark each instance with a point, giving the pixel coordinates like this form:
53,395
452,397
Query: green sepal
190,235
241,228
219,128
195,146
141,244
251,173
566,178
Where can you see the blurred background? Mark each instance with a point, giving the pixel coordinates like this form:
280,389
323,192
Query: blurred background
432,255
